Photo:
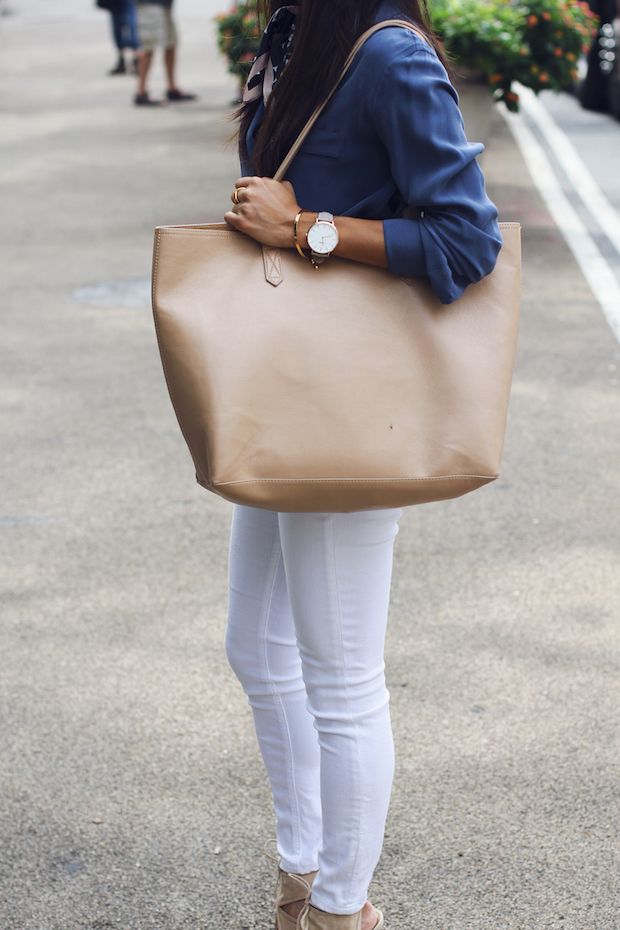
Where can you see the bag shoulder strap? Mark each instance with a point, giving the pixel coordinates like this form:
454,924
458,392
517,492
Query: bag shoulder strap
362,39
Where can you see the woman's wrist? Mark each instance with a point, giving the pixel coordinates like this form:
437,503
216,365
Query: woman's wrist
305,221
359,240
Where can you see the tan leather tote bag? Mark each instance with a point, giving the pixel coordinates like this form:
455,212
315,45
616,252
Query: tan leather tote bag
336,390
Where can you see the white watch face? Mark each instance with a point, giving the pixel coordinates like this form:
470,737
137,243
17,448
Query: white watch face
322,237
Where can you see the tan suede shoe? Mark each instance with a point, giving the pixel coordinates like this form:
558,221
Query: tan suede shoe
290,888
311,918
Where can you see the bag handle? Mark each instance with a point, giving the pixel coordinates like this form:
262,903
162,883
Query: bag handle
297,144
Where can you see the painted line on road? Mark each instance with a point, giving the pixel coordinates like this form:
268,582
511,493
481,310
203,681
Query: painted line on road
597,272
573,165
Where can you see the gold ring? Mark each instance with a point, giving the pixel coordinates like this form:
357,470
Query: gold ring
237,191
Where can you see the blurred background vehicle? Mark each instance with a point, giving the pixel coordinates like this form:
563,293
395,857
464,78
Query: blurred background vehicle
600,88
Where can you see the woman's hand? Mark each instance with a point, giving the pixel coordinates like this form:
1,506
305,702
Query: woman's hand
265,210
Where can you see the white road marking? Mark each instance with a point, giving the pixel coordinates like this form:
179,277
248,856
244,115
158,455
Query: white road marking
571,161
596,270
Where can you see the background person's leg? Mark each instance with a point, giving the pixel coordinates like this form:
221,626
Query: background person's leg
170,62
338,571
173,93
145,58
130,26
150,21
116,20
262,650
169,34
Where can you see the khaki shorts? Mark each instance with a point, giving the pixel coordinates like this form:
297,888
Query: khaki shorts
155,27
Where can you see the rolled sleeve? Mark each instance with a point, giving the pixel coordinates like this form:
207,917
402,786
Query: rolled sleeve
403,244
456,239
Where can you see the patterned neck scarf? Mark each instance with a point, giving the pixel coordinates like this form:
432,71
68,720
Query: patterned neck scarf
274,52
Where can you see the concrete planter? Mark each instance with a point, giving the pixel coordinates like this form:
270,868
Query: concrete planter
476,104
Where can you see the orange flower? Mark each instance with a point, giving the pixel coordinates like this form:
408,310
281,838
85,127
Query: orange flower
544,77
532,20
534,69
511,96
558,52
495,78
546,15
571,57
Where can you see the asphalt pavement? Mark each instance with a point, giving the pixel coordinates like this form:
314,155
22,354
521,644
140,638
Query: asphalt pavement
132,794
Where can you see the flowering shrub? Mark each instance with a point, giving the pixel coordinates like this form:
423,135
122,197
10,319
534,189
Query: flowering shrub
238,37
537,42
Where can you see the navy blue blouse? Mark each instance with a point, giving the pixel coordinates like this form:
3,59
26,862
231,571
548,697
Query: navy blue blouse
392,137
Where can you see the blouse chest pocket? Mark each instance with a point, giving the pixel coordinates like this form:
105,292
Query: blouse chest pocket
323,142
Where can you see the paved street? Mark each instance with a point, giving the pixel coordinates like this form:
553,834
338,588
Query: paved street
131,789
596,137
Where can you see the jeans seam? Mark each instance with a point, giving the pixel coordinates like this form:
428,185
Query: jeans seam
346,689
290,772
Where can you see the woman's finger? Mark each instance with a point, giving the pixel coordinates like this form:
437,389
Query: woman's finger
232,219
241,185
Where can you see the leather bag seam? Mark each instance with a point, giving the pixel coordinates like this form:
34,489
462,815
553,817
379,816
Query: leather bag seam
161,353
221,484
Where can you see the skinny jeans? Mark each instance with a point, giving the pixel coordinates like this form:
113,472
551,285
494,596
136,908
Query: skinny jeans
308,603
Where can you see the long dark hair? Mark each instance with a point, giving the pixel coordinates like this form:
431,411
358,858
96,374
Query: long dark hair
325,34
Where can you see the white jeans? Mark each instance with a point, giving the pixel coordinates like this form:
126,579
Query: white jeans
307,615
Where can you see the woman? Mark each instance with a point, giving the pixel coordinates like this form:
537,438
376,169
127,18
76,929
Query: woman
309,592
